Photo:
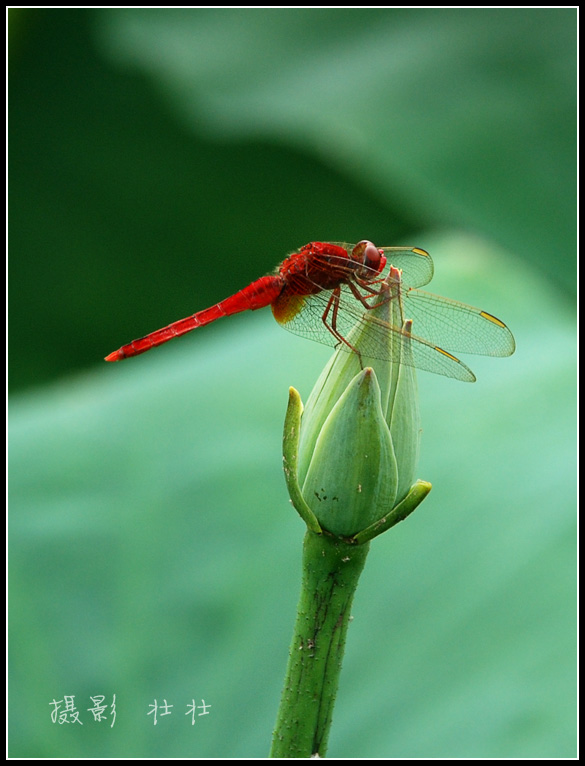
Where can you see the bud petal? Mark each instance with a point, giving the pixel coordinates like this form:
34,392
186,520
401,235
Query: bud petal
352,478
404,419
333,381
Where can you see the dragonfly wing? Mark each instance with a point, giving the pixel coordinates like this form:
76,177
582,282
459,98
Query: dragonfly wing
409,349
456,326
416,264
303,315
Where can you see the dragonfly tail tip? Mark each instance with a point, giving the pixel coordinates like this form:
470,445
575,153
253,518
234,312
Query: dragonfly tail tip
115,356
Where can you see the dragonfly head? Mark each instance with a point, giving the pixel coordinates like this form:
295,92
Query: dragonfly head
371,258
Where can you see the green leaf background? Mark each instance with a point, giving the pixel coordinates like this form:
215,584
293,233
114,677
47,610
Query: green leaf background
162,159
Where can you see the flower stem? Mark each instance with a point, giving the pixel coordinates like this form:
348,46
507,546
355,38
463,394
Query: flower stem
331,570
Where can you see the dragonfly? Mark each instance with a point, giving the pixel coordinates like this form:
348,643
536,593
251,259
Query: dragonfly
327,291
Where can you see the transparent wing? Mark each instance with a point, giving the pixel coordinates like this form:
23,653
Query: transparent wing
303,315
416,265
452,325
456,326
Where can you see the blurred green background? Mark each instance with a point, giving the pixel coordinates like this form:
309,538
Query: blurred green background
160,160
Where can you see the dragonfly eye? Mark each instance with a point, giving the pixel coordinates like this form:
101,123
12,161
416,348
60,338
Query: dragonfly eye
367,254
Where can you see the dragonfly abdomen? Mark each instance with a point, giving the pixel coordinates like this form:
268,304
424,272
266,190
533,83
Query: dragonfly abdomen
257,295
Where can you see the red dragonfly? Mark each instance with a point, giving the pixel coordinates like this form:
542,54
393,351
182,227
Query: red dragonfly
328,289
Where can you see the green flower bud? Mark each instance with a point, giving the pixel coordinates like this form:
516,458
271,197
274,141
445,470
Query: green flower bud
352,478
360,431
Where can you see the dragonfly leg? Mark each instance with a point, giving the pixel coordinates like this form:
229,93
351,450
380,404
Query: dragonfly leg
369,285
364,299
333,303
387,292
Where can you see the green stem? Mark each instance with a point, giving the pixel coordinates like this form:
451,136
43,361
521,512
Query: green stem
331,570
